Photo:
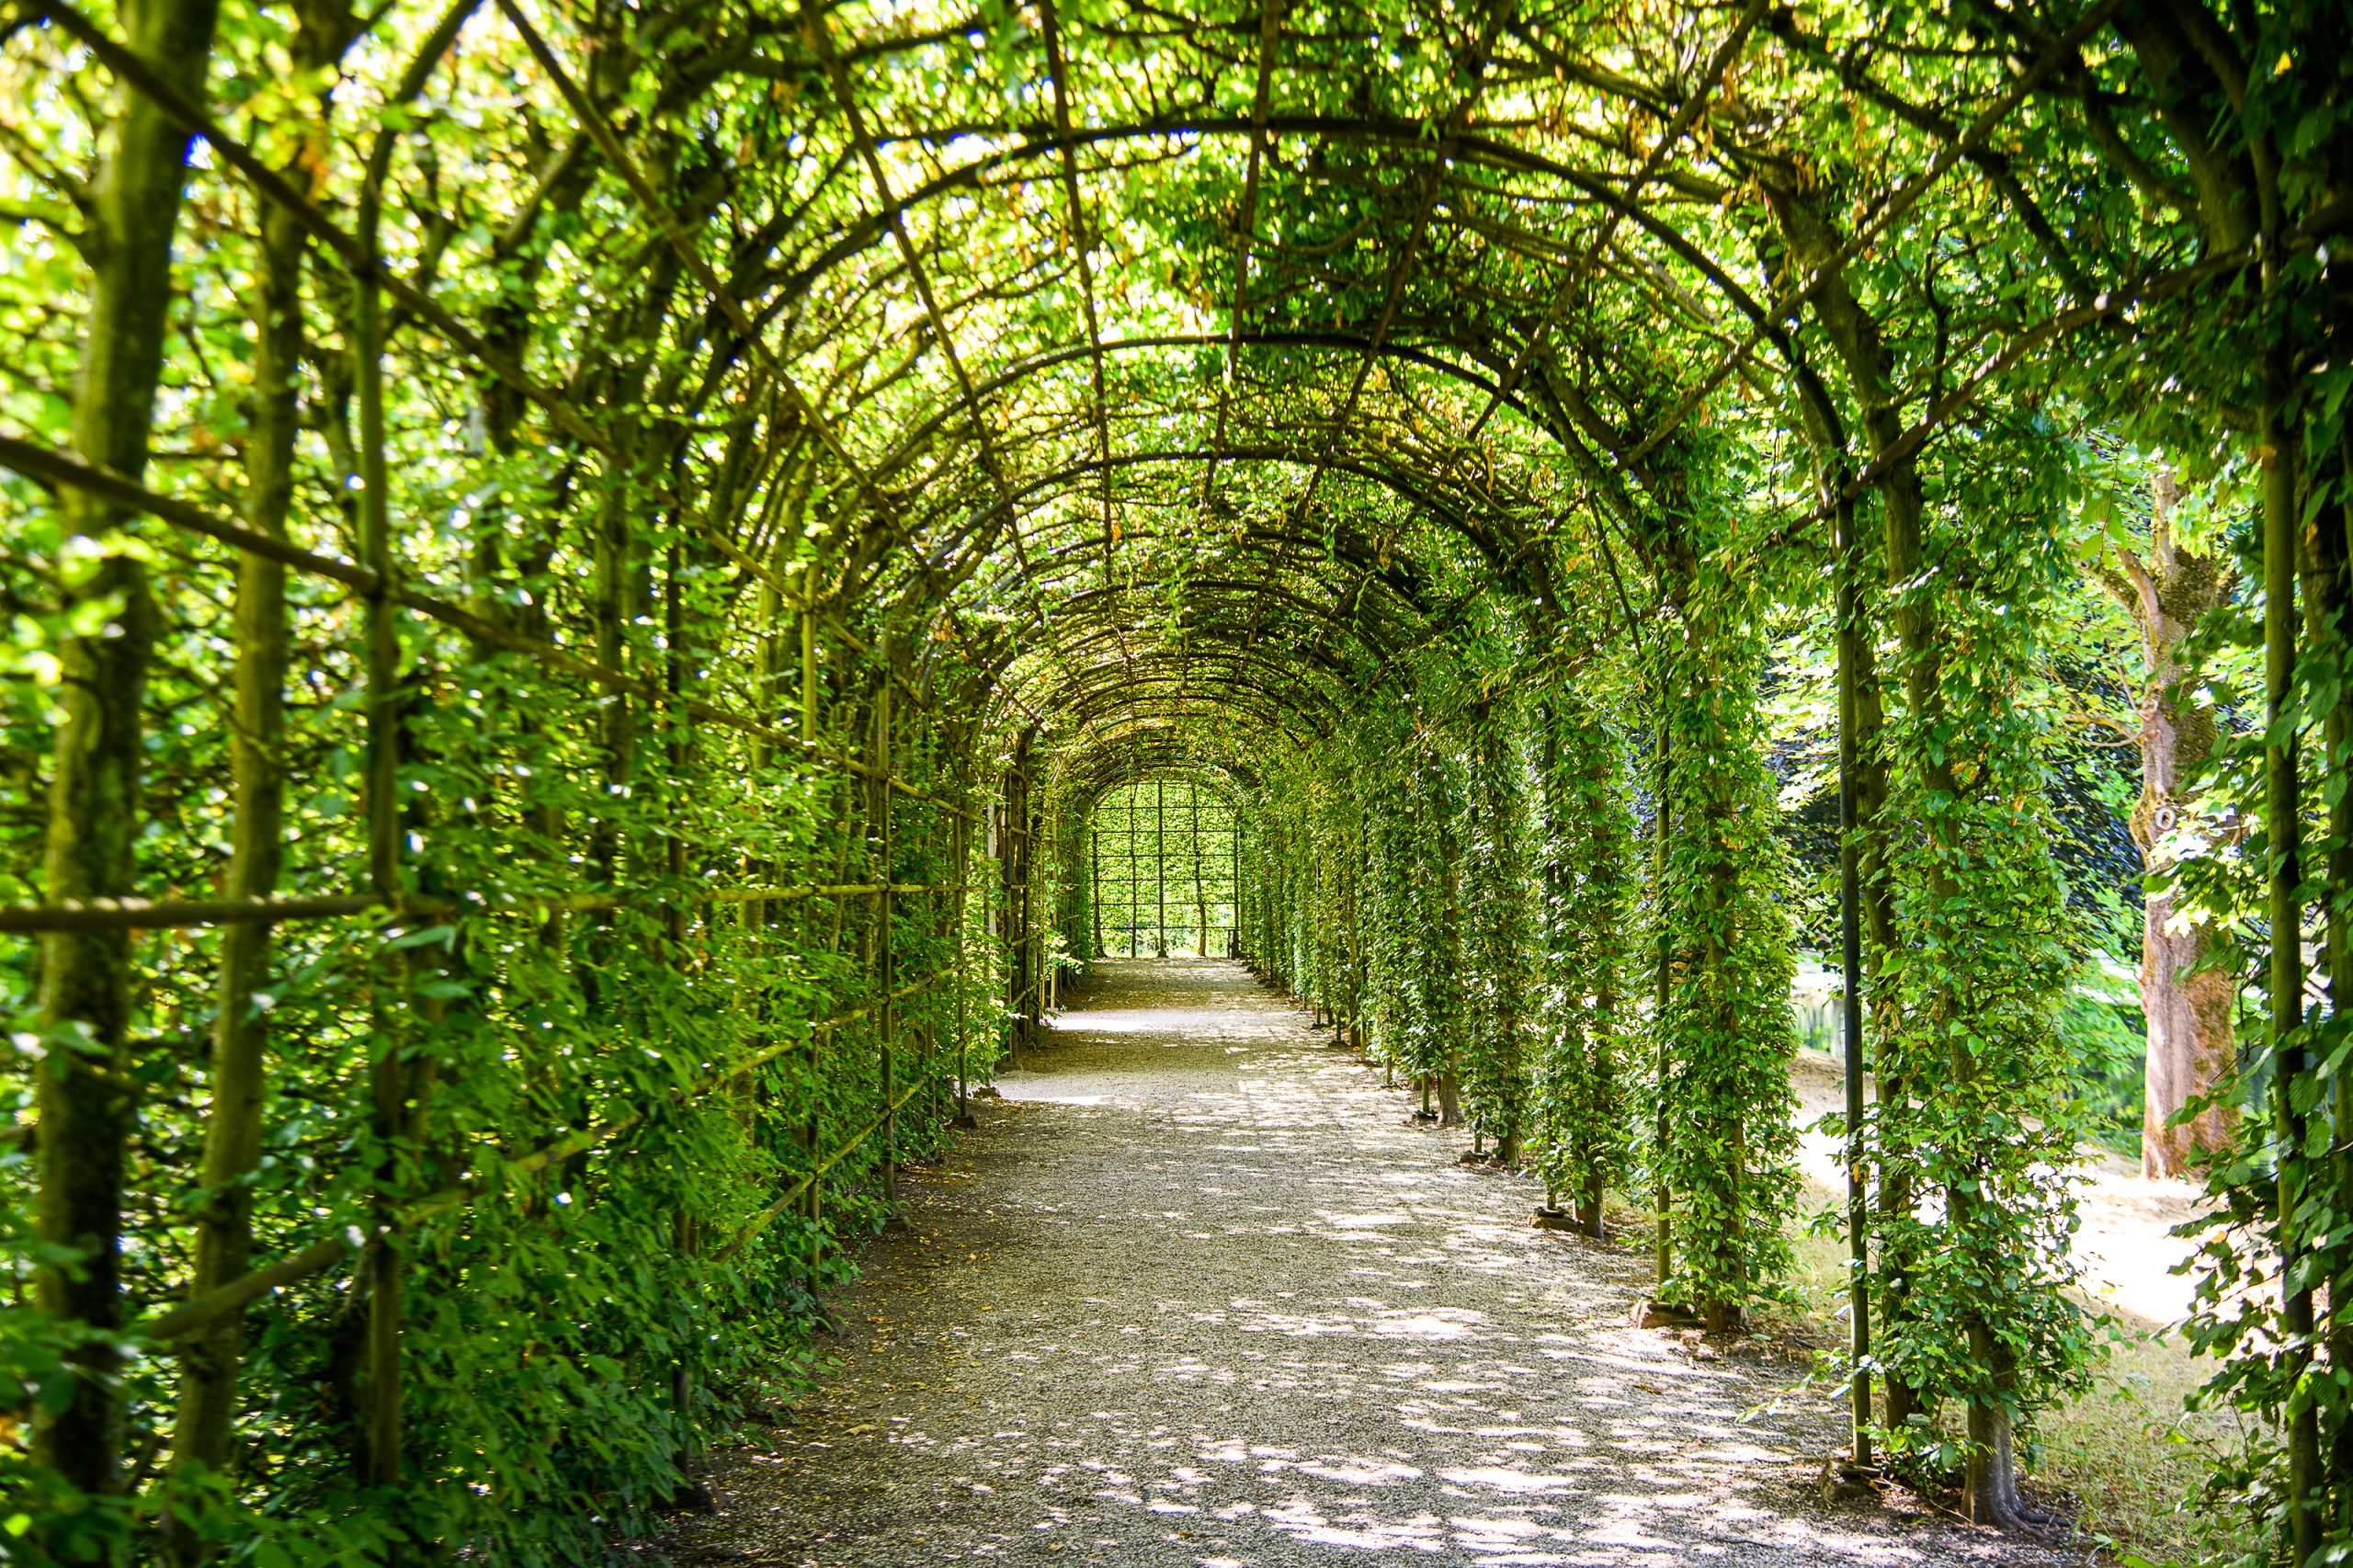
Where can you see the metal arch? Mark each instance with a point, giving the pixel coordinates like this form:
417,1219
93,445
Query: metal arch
1229,667
1276,710
1149,675
1349,548
1281,710
1043,360
1062,654
1081,778
1373,473
1154,736
1249,593
1189,770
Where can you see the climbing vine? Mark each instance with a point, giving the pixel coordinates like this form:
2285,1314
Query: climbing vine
572,576
1588,1071
1501,954
1724,1028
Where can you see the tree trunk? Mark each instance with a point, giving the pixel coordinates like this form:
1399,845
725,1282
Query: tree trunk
1449,1099
84,1104
2190,1043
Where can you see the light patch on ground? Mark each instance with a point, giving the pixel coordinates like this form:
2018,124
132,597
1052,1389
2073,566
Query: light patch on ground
1199,1293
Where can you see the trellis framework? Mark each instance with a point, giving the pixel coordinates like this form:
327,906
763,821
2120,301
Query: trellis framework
887,478
1163,861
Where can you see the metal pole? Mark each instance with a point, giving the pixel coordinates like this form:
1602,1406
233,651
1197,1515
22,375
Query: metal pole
1851,946
809,652
885,957
1662,1198
388,1072
2283,830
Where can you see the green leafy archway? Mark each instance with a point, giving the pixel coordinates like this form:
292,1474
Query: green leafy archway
578,579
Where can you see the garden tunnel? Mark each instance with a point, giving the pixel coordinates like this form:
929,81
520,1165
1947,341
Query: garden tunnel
590,587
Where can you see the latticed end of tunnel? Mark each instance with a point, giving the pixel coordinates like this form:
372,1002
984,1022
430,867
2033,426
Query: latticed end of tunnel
609,606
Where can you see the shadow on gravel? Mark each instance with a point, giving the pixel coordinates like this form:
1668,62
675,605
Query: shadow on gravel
1196,1292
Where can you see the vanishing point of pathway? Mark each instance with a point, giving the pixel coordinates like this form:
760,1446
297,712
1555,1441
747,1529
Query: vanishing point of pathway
1198,1294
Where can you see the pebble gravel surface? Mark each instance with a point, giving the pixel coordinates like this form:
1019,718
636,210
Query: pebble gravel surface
1197,1291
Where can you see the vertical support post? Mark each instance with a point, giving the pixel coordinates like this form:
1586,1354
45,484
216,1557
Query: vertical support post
388,1073
2284,834
1200,883
1135,876
1662,1198
961,836
1355,933
1017,851
1850,960
885,957
1034,951
937,905
812,1199
1160,868
688,1226
1001,846
1238,948
1018,864
809,652
813,1196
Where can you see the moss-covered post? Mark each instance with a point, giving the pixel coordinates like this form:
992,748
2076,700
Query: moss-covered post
1725,902
1500,928
1587,880
84,1104
2283,836
233,1132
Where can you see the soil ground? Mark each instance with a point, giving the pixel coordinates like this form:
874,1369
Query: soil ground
1198,1292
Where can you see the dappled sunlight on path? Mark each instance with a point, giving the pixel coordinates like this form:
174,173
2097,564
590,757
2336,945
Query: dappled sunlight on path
1198,1292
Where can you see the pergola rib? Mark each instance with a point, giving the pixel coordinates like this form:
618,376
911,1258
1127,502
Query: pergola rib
747,379
820,33
1386,478
1269,34
1620,196
1046,360
1058,75
1293,661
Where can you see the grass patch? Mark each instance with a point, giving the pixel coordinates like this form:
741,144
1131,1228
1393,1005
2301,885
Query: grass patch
2133,1457
2130,1453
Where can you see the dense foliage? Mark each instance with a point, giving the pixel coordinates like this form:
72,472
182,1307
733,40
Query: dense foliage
579,580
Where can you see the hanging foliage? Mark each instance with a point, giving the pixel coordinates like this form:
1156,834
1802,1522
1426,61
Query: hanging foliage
1584,1083
1501,955
573,577
1725,1032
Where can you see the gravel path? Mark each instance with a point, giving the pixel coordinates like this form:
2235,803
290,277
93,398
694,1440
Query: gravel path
1198,1294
